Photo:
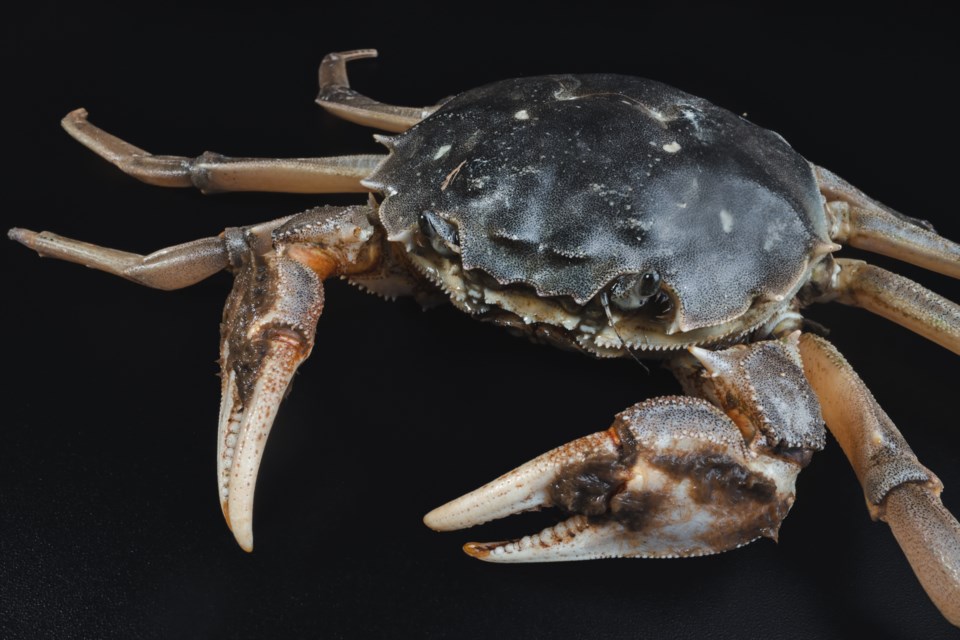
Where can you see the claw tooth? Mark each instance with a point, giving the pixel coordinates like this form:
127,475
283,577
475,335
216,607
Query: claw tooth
229,424
523,489
566,540
244,427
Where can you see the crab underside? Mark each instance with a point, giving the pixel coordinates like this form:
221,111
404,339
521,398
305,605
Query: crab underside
674,476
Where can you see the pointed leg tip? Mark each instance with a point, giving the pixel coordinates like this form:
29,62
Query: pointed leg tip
23,236
357,54
74,118
77,114
26,237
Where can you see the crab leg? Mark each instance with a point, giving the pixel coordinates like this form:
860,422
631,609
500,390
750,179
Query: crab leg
214,173
674,476
898,489
338,98
170,268
269,321
862,222
895,298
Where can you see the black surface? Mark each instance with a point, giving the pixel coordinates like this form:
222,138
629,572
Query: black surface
109,521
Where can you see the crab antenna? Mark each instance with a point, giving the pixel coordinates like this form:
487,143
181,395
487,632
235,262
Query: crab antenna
605,301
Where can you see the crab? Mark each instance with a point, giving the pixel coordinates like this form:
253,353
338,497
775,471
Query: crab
609,215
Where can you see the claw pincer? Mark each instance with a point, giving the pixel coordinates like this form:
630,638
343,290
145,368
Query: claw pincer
673,476
268,330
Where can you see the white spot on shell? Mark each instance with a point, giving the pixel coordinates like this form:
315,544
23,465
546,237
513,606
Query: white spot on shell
673,147
726,220
656,115
522,115
442,151
774,234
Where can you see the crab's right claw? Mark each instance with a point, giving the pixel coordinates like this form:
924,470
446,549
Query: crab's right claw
267,332
671,477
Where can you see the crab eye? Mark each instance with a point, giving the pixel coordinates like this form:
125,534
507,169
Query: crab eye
442,235
633,291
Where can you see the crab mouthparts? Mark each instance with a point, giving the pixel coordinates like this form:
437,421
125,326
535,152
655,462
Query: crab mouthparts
661,482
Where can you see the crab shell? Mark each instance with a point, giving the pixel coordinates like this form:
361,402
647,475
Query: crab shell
564,183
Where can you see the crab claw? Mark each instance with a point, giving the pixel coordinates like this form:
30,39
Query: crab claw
672,477
268,330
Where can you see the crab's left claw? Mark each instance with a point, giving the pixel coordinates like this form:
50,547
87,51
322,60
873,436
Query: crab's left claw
672,477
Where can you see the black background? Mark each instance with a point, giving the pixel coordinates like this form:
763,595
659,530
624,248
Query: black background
109,520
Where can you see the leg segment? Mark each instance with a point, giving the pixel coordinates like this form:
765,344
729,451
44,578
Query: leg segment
863,222
213,173
673,476
899,490
338,98
901,300
892,296
170,268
